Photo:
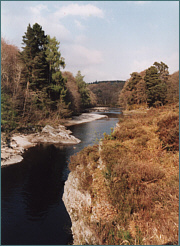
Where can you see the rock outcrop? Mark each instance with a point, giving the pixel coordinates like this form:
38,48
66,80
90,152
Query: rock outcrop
12,153
87,207
76,203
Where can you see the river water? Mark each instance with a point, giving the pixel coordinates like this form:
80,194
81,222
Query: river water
32,210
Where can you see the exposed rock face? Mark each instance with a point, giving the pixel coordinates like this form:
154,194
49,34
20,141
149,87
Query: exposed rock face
54,135
12,153
85,209
76,203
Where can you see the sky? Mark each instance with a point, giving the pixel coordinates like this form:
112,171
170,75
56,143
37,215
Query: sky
105,40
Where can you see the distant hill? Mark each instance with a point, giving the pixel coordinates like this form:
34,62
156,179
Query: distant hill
107,92
107,81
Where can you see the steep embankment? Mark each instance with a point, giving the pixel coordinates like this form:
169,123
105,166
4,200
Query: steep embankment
125,190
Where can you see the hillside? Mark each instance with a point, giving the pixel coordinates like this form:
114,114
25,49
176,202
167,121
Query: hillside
107,92
126,189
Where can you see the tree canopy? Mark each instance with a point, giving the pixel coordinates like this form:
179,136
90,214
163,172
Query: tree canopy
148,87
83,90
33,87
155,87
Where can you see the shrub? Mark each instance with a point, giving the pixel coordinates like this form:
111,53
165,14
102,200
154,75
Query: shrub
168,131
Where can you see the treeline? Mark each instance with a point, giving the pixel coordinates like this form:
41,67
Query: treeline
107,81
33,88
153,87
107,93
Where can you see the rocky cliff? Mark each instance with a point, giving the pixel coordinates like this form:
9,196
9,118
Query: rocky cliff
125,191
88,207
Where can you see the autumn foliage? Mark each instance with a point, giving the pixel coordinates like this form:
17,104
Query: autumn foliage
133,180
33,89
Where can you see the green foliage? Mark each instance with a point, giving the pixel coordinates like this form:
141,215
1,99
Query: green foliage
135,78
149,87
8,114
155,88
83,90
162,70
42,77
33,57
53,55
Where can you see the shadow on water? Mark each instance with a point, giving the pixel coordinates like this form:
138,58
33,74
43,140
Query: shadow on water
32,208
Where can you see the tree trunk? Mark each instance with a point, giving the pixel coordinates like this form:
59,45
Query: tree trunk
26,96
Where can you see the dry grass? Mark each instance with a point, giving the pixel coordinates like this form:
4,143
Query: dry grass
139,180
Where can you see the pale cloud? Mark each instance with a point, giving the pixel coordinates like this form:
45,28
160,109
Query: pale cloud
141,65
75,9
173,62
49,23
38,8
80,45
94,73
78,57
141,2
79,25
80,39
83,56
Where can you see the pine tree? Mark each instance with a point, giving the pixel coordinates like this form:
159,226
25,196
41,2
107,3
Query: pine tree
35,67
57,84
34,58
53,56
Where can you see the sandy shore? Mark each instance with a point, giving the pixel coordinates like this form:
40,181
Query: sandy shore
12,153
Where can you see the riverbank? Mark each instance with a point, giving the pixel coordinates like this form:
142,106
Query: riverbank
126,189
84,118
12,151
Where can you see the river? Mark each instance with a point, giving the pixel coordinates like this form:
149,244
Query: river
32,210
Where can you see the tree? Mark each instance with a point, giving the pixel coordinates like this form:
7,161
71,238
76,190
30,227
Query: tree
132,92
83,90
57,85
155,88
11,90
33,57
162,69
134,80
42,76
173,88
53,56
73,94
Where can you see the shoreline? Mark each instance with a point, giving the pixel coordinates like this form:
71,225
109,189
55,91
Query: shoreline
84,118
12,153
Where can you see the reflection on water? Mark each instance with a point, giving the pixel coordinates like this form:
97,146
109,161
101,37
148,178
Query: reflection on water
33,212
32,208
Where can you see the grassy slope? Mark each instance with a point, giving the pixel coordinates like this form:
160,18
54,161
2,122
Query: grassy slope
135,192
